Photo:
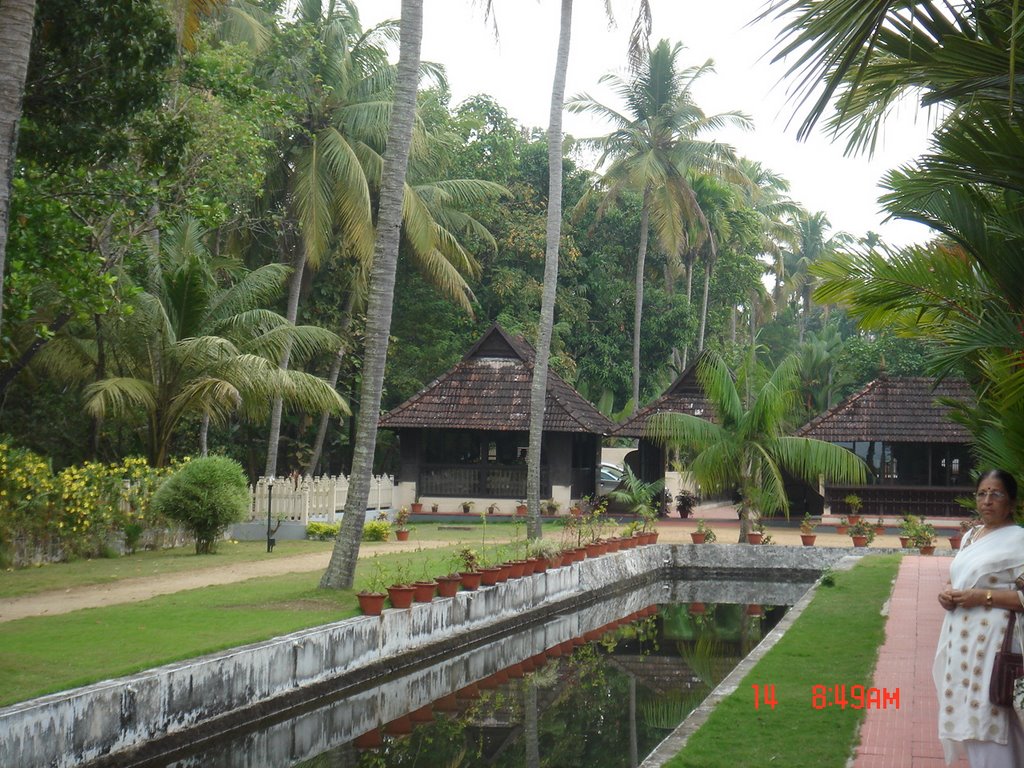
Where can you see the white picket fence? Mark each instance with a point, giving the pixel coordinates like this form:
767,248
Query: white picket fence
313,499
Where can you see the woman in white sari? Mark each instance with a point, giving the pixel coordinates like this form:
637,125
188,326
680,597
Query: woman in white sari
981,593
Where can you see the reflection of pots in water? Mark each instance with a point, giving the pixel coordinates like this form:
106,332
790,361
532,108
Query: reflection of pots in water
369,740
470,691
422,715
400,726
449,703
754,610
697,608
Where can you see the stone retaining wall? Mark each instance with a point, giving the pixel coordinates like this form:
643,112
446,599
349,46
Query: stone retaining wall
242,684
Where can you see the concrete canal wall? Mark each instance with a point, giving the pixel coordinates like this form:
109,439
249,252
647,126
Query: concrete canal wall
101,721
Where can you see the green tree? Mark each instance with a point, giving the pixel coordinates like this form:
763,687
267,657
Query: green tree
746,448
190,347
206,496
341,569
654,148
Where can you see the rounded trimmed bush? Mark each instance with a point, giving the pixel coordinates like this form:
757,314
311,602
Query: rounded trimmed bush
206,496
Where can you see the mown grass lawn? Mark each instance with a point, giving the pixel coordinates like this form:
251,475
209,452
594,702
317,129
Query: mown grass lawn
834,641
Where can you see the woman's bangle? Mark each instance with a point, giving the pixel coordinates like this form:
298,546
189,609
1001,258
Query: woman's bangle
988,599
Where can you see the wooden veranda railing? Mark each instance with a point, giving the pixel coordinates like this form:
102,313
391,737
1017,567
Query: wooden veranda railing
478,480
895,500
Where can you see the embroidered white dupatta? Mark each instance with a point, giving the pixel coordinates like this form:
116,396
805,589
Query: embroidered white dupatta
969,639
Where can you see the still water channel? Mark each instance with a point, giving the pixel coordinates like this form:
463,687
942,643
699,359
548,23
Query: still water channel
599,687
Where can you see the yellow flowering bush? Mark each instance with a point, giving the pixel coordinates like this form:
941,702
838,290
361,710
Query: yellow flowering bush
83,507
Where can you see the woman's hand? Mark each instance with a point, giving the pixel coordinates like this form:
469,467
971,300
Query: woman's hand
967,598
946,599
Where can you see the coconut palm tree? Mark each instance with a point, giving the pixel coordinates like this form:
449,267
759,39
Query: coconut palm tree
192,347
341,569
655,144
16,20
745,448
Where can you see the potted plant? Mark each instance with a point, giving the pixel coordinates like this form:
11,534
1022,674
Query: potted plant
685,502
448,585
401,591
467,506
703,534
425,586
434,507
417,505
908,526
640,498
854,502
879,526
469,563
756,536
402,524
521,508
843,525
545,552
371,598
924,538
862,533
807,526
549,507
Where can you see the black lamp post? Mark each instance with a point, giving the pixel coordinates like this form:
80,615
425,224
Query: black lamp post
270,503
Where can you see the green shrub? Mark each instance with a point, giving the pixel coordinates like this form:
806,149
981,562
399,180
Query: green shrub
206,496
377,530
322,531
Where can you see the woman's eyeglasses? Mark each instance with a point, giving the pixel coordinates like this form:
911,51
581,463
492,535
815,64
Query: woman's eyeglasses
994,495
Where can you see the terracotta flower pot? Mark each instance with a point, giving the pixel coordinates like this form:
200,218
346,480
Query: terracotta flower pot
754,538
424,591
371,603
416,507
400,726
534,565
369,740
698,538
841,529
555,561
954,541
905,542
517,568
401,595
470,579
489,576
521,510
402,535
448,586
860,541
807,539
928,550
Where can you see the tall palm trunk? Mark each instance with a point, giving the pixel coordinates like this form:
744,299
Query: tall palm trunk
332,380
16,20
638,302
341,570
294,290
712,256
538,388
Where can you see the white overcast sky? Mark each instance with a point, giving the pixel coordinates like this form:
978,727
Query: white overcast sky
518,67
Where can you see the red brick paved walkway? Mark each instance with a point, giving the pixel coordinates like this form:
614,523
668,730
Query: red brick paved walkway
907,737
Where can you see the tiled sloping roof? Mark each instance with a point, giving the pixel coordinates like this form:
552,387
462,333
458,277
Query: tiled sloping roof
684,396
898,409
490,389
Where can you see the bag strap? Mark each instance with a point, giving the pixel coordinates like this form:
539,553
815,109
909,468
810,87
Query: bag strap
1008,637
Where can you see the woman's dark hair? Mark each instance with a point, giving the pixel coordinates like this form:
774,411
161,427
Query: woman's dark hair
1008,481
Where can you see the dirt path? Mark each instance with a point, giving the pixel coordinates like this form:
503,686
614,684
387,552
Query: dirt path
134,590
138,589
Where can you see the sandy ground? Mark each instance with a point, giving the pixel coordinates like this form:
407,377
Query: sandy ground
133,590
721,519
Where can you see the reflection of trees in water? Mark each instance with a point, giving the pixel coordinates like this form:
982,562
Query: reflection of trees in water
605,706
